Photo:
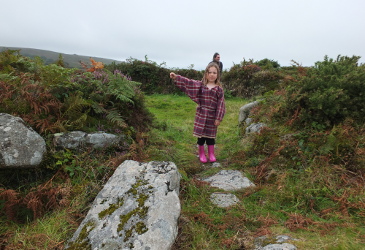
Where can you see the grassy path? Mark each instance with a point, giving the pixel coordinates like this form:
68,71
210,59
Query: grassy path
262,211
202,226
172,136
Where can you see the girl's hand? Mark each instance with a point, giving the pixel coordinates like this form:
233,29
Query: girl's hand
217,122
172,75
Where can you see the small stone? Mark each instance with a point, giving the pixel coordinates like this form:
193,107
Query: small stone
216,165
223,199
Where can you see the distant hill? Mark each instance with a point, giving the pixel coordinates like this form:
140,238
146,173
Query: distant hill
71,61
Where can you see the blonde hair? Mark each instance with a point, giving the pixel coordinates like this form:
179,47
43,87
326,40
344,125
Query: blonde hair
217,81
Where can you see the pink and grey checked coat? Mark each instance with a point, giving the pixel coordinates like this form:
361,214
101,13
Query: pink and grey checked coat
211,105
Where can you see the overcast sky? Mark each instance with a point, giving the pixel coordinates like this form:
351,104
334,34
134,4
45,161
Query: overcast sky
185,32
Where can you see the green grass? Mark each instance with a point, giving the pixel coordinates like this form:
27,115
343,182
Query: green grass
173,131
50,232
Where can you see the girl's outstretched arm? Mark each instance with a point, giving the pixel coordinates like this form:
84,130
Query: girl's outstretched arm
188,86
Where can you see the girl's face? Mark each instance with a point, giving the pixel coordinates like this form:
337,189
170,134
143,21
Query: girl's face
212,74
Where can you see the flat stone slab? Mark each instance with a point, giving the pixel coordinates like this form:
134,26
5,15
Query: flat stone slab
281,244
223,199
138,208
284,246
229,180
79,139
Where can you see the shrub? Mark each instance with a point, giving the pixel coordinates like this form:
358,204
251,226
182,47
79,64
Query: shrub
153,77
268,64
330,92
248,79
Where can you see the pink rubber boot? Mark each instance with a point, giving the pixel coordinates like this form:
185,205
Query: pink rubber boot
211,153
202,156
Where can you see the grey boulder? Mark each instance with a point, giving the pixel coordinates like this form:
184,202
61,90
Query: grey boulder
138,208
20,145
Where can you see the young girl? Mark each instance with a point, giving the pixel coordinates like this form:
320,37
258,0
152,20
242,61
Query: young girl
209,96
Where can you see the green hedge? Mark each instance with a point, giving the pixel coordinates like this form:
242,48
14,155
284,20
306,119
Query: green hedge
153,77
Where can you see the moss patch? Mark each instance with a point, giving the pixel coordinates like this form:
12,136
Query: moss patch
111,208
141,228
82,241
140,192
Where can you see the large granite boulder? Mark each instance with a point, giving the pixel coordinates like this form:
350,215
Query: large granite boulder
20,145
138,208
245,121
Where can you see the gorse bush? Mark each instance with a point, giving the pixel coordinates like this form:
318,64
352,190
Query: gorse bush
327,94
323,107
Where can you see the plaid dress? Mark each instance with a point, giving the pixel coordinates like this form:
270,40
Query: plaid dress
210,107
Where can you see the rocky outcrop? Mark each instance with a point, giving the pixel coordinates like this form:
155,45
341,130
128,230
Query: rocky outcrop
20,145
245,121
245,110
138,208
255,128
